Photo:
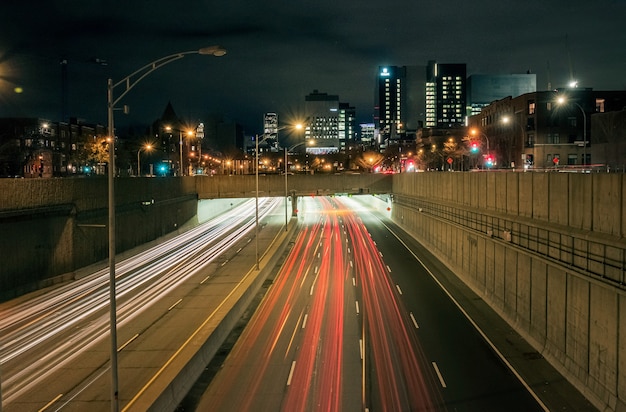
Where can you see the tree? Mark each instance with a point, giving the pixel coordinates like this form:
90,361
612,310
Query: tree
368,160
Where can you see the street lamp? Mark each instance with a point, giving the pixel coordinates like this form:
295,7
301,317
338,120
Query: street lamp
145,148
180,145
287,150
256,197
128,83
562,100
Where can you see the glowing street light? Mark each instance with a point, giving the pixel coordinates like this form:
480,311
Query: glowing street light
145,148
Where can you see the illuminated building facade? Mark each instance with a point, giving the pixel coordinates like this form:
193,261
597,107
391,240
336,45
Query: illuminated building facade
330,123
446,86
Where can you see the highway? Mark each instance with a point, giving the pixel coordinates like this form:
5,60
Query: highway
354,322
53,345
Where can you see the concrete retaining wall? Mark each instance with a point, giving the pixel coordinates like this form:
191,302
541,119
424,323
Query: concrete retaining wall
545,251
51,227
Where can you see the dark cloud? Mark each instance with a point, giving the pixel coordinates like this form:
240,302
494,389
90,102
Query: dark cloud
280,51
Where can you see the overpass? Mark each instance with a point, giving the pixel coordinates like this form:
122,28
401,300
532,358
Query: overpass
545,250
220,186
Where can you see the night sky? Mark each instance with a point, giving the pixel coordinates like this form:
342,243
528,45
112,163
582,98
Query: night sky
278,52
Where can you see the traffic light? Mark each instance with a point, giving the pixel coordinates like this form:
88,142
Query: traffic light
474,147
489,160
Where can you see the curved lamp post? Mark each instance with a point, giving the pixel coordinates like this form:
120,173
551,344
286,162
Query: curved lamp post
145,148
256,196
287,150
298,126
127,84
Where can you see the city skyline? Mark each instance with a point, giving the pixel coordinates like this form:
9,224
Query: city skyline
277,54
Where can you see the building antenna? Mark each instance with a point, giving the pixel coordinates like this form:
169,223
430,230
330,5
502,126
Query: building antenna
548,68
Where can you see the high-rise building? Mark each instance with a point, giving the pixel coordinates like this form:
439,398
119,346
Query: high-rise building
330,123
483,89
270,131
368,134
400,100
445,94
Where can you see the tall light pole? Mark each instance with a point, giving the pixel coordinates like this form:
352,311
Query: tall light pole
287,150
180,144
145,148
561,100
256,198
128,83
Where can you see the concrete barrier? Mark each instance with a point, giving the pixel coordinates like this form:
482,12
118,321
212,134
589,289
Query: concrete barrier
539,248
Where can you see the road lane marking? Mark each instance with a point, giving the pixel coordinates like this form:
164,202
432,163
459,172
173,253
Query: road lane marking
205,279
46,406
414,321
357,307
295,329
388,269
399,290
443,383
128,342
313,285
361,347
280,331
304,321
174,305
161,370
472,322
353,282
293,366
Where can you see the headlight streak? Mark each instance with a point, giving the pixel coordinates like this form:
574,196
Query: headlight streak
27,326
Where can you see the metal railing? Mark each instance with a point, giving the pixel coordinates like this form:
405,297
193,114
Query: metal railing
590,255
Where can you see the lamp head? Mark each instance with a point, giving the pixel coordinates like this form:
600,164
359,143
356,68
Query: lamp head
216,51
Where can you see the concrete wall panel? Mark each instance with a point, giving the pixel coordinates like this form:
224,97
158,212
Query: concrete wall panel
607,203
620,331
603,343
510,282
577,326
539,301
512,193
499,191
558,198
526,193
556,311
541,199
523,289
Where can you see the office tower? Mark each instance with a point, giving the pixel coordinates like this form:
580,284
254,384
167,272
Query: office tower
445,95
330,124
